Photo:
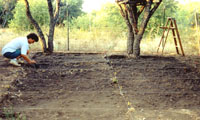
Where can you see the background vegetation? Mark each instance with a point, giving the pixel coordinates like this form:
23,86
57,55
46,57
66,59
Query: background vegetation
99,31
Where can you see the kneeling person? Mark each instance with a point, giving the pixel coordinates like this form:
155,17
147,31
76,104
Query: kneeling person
19,47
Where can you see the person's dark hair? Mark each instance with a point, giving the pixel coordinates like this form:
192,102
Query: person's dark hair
33,36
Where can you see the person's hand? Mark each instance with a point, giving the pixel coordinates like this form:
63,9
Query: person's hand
32,62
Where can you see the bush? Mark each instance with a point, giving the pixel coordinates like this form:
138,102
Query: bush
107,18
6,7
83,22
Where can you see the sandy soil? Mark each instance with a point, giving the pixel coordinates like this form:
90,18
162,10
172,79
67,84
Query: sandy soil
97,87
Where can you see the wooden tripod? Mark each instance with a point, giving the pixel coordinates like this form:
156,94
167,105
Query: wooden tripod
171,25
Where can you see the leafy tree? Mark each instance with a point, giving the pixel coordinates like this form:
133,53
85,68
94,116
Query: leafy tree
73,7
131,12
107,17
53,19
186,14
42,13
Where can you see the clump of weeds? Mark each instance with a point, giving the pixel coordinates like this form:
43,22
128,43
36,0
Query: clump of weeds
114,79
9,114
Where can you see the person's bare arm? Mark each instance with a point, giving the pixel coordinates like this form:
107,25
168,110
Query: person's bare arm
28,52
28,59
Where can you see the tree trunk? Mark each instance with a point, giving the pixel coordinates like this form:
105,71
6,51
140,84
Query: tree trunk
5,20
50,38
138,37
136,45
53,20
130,40
35,24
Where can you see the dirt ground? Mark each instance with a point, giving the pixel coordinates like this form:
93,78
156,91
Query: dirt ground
66,86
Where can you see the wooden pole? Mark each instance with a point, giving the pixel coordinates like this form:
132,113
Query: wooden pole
165,40
163,36
197,29
67,28
179,38
175,41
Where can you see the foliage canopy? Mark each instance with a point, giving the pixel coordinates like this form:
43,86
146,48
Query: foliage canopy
39,10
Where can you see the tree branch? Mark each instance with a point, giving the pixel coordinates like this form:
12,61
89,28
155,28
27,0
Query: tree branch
146,17
56,15
35,24
133,18
140,11
53,20
50,8
121,10
155,8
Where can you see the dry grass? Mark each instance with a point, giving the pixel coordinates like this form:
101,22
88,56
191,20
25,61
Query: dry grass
97,41
105,41
190,42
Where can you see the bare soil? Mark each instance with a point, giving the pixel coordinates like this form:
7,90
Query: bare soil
67,86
